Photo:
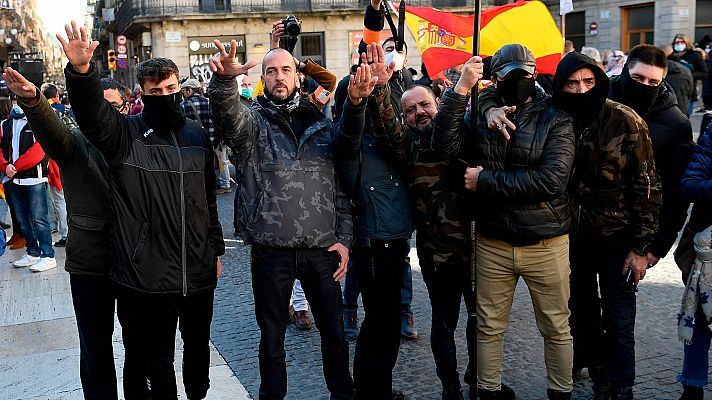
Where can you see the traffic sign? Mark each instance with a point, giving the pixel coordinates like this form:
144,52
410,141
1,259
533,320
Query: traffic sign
122,63
121,49
120,56
121,39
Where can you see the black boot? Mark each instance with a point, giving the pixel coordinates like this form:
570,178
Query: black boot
601,387
504,393
556,395
622,393
452,393
692,393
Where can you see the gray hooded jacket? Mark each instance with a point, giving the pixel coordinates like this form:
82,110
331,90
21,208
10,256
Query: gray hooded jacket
289,194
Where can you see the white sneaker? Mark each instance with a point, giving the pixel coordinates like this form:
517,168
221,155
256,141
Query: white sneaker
26,261
44,264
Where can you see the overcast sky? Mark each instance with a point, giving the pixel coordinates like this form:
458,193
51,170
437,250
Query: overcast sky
55,13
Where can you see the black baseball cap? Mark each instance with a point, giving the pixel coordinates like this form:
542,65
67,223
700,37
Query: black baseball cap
510,57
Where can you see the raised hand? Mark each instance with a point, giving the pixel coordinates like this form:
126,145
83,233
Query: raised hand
226,65
78,47
361,85
18,84
472,72
376,59
277,31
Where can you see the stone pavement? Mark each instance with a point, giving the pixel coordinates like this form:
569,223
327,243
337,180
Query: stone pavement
236,336
39,357
39,346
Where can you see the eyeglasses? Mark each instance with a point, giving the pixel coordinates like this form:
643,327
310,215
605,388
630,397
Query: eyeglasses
118,106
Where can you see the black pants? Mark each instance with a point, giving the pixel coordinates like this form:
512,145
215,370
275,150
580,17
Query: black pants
603,327
447,284
94,299
273,273
379,271
159,315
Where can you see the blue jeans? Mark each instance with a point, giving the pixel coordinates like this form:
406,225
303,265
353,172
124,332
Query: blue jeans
351,289
695,365
407,288
31,207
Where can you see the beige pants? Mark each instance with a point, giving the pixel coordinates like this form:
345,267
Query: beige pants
545,269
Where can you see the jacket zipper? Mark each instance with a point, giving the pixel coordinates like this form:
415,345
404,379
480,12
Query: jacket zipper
182,215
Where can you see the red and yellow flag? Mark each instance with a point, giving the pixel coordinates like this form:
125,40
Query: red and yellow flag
445,39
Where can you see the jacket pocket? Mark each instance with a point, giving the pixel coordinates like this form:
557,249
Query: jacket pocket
86,222
389,203
140,244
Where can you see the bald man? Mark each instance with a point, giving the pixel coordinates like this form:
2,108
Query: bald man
291,210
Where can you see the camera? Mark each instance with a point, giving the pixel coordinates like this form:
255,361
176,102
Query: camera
292,25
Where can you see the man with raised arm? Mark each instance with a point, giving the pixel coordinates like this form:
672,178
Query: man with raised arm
292,210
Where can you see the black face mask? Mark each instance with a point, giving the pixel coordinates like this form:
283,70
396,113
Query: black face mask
515,91
636,95
583,108
163,113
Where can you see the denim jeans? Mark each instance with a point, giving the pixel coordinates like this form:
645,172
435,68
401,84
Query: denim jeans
60,209
407,288
351,290
223,171
31,208
603,328
273,273
447,284
379,269
299,301
695,365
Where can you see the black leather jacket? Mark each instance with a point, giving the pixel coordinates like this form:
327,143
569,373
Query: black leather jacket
521,191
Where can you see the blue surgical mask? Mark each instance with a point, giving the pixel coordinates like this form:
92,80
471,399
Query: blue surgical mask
247,92
16,112
680,47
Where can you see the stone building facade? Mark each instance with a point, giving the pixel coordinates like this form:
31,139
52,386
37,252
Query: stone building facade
623,24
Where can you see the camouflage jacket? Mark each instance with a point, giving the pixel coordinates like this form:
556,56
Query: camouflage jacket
615,186
289,194
435,185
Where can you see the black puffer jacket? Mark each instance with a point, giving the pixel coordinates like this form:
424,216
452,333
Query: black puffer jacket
166,237
522,188
671,134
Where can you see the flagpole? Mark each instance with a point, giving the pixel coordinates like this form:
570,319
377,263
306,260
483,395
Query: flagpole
471,307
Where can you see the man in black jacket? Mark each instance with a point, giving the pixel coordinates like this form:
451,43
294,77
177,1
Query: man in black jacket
166,237
382,230
89,242
523,217
641,87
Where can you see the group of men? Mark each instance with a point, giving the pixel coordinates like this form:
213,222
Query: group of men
539,187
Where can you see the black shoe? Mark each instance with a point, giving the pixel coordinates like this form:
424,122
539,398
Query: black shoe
397,395
60,243
452,393
622,393
504,393
692,393
4,225
556,395
601,392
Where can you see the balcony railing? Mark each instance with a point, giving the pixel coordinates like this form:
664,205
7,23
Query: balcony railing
131,9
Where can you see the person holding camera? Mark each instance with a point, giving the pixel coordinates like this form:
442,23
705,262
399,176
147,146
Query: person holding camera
292,210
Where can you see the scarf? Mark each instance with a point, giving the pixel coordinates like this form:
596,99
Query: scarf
698,291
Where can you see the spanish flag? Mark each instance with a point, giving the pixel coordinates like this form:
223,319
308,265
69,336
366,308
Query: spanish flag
446,39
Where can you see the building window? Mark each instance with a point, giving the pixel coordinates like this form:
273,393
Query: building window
311,45
703,20
576,29
638,25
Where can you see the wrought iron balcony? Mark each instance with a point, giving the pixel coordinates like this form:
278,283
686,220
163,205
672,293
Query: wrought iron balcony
142,9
